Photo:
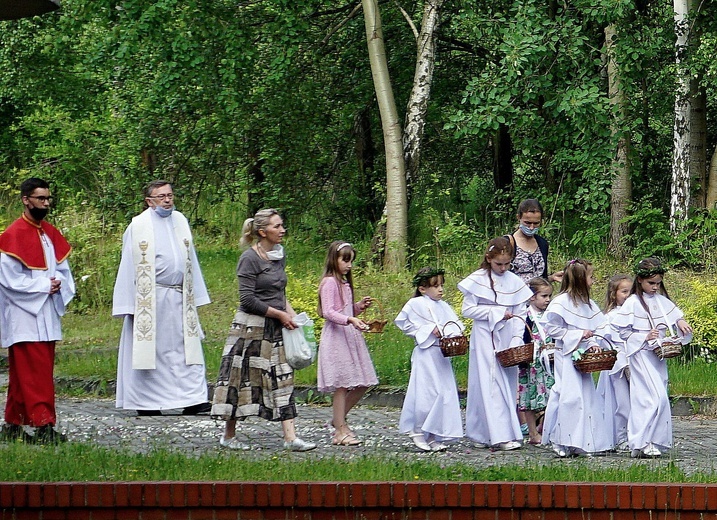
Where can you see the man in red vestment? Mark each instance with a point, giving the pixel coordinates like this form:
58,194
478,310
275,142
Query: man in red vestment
35,287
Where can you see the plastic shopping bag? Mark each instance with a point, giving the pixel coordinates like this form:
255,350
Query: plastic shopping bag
300,343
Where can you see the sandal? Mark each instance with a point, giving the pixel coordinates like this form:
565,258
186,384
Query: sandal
346,440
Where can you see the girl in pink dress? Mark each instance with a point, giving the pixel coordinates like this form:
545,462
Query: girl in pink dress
345,367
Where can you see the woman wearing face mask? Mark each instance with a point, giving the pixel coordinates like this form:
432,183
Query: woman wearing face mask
531,250
530,260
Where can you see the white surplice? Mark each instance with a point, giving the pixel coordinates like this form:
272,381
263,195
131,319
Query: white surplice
575,417
614,388
431,405
491,413
29,311
173,383
650,413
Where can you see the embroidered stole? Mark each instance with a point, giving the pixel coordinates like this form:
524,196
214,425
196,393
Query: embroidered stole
144,334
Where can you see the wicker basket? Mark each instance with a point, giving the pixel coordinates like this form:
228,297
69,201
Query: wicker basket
516,355
596,361
453,345
668,350
376,324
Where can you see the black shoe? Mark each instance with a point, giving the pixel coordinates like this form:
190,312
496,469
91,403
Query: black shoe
197,409
48,435
149,413
14,433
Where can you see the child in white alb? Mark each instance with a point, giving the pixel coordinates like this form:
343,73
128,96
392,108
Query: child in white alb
492,297
647,320
431,413
575,419
614,385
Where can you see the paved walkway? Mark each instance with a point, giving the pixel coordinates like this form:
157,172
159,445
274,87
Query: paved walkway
99,422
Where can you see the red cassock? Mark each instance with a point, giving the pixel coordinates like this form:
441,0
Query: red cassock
31,388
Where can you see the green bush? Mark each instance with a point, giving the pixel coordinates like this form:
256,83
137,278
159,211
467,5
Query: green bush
96,248
701,312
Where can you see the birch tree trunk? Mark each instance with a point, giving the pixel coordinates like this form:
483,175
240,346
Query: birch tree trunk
621,181
421,92
680,192
396,199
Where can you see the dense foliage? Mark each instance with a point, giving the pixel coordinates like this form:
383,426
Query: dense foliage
250,103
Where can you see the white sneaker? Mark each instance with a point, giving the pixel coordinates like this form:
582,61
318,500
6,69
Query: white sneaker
508,446
420,441
651,451
299,445
233,444
648,452
437,446
561,451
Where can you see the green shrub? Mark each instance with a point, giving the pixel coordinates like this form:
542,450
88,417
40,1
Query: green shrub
701,312
96,248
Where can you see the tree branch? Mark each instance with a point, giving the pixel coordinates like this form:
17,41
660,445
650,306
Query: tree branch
343,22
408,19
465,47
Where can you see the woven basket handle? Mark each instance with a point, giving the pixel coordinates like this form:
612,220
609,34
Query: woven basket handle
443,329
524,323
380,307
530,332
612,346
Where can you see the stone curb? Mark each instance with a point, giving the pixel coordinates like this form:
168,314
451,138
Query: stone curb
388,397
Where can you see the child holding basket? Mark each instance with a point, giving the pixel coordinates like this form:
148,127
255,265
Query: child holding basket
431,413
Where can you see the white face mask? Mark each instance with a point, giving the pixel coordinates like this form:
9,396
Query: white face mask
163,212
275,253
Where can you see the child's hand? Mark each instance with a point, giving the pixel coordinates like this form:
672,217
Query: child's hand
587,334
684,327
653,334
508,315
365,303
436,332
357,323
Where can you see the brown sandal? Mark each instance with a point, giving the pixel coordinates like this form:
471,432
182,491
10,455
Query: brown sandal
347,440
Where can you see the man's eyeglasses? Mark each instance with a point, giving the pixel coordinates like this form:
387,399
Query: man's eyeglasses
164,196
41,198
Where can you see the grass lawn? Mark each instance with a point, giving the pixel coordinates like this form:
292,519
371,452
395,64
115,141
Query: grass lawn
84,462
91,337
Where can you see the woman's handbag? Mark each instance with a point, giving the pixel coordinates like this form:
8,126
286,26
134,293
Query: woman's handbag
300,343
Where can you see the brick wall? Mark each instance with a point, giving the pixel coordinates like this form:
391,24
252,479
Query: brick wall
355,501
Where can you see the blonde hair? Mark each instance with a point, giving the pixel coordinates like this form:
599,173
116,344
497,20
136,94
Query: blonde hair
612,286
250,228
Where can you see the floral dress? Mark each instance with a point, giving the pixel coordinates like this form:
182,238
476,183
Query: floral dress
528,265
534,382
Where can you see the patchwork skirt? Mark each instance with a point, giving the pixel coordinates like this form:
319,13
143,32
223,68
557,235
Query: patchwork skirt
254,377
